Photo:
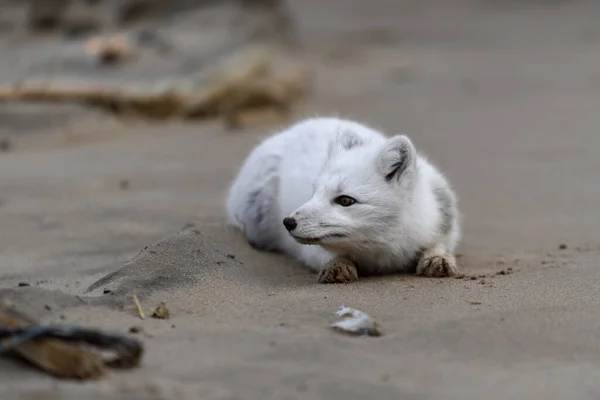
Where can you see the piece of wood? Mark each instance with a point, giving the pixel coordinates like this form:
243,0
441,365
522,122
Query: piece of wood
55,357
138,306
250,83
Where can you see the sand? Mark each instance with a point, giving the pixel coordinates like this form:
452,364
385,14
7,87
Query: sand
504,98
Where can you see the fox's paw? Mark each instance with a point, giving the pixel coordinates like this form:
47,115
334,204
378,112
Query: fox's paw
437,264
338,270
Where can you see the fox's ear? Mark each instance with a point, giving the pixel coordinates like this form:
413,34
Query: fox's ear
397,157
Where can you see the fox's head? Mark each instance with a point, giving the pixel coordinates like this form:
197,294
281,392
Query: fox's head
359,194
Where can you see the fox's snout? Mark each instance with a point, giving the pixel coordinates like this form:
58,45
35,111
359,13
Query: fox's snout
290,223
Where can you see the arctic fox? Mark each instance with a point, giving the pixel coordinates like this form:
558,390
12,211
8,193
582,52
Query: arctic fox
347,201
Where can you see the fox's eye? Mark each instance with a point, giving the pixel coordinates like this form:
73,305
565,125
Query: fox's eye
344,201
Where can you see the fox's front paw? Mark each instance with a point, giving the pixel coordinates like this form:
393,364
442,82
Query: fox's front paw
437,264
338,270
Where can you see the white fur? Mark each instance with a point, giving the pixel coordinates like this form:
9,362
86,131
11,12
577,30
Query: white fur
299,171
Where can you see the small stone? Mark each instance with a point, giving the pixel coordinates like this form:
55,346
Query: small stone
506,271
124,184
562,246
5,145
161,312
136,329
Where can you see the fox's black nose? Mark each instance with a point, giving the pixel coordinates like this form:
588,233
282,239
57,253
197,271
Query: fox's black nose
290,223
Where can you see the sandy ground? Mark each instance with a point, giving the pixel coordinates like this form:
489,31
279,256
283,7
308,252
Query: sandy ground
503,96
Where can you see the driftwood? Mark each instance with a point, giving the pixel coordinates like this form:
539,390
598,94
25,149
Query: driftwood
65,351
53,356
250,84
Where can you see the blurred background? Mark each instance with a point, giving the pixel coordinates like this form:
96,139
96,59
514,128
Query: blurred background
122,120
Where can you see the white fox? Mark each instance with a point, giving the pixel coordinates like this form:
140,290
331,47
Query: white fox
347,202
